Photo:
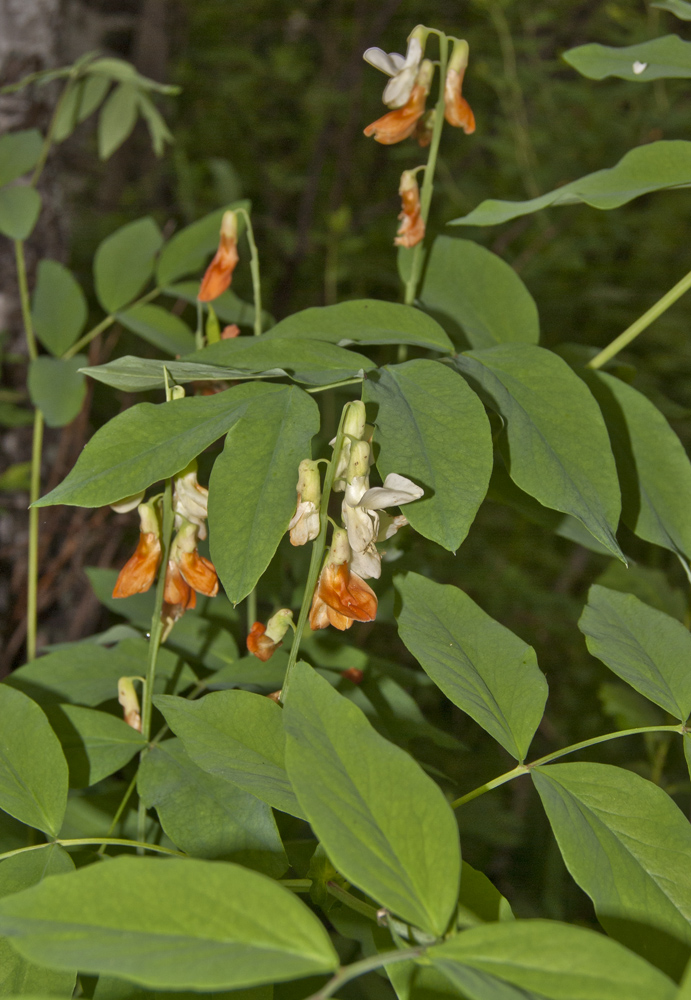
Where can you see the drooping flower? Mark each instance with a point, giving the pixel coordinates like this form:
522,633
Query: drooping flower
187,575
305,523
398,125
402,69
341,596
264,640
361,506
139,572
230,331
190,500
412,228
127,697
219,273
457,111
353,674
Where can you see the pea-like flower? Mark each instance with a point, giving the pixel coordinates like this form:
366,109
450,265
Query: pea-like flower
187,575
190,500
264,640
398,125
341,596
412,228
457,111
139,572
402,69
305,523
219,273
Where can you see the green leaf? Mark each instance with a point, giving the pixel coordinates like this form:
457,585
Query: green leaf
94,89
159,327
124,263
150,442
253,480
16,477
680,8
480,665
553,960
433,429
59,308
108,988
383,823
33,770
237,736
87,674
19,153
228,307
654,469
652,167
158,130
472,291
17,976
627,845
117,119
649,585
480,901
66,111
555,443
14,416
19,209
309,361
169,925
124,72
645,647
57,388
365,321
206,816
186,251
657,59
95,744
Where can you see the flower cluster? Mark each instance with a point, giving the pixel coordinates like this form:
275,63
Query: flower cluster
410,80
187,572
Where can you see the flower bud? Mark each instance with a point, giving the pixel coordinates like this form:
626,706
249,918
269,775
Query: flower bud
305,524
359,461
127,697
353,674
457,111
354,420
264,640
177,392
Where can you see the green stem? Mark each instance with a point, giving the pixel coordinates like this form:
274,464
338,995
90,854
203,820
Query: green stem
85,841
48,141
526,768
332,385
256,277
296,884
251,608
351,901
642,323
428,182
155,638
24,299
365,965
317,553
32,570
105,323
119,811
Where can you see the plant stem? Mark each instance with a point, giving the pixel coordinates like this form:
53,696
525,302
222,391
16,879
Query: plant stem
351,901
105,323
317,554
526,768
428,182
642,323
48,141
32,569
348,972
332,385
119,811
155,638
251,608
256,277
85,841
24,299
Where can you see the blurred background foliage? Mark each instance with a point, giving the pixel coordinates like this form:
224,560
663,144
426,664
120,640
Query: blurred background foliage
274,99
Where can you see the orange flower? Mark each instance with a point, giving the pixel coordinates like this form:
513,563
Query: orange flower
186,565
219,273
399,124
228,332
139,572
341,597
412,228
457,111
264,640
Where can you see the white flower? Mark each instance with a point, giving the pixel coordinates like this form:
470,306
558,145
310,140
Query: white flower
402,70
639,67
304,525
190,500
360,511
396,490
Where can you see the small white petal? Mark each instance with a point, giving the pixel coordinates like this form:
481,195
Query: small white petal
388,526
128,503
305,524
396,490
366,564
639,67
362,526
383,61
399,88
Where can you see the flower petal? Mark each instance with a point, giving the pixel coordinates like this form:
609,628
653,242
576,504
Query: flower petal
388,63
396,490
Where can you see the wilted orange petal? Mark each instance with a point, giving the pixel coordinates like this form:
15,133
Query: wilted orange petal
457,110
228,332
177,590
199,573
339,621
412,227
353,674
219,273
139,572
347,593
259,644
398,125
318,612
